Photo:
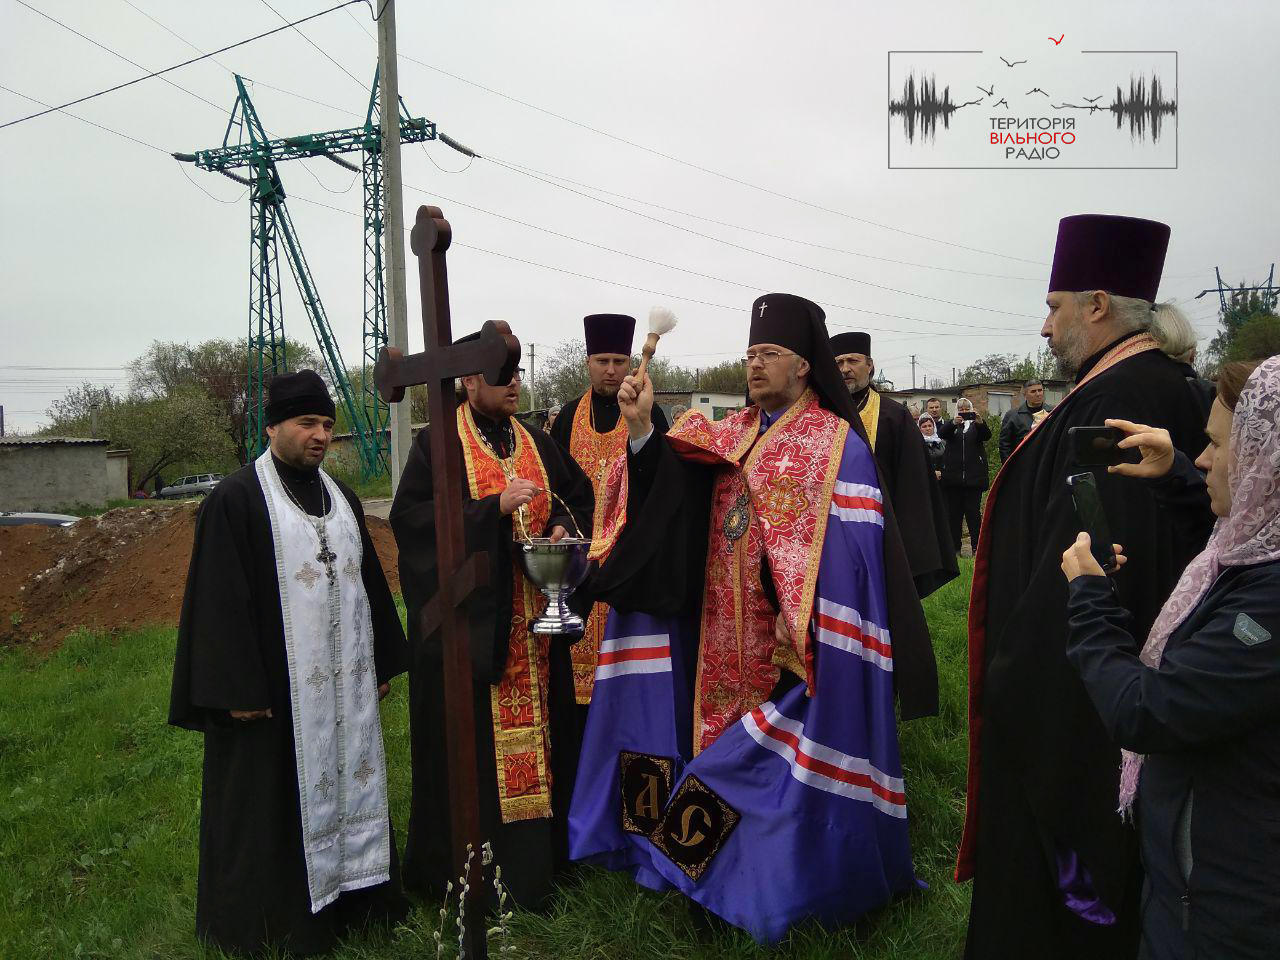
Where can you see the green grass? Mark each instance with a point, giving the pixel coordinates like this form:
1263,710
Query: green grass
99,811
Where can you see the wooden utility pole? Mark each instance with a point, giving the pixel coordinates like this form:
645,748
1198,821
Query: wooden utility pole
496,354
393,225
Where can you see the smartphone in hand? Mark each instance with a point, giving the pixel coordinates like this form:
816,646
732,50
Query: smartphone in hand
1093,519
1096,446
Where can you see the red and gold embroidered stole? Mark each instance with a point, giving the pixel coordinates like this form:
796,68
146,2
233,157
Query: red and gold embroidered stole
518,702
595,453
776,503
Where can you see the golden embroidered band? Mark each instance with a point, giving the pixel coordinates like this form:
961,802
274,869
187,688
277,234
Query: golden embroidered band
870,414
776,504
595,453
518,702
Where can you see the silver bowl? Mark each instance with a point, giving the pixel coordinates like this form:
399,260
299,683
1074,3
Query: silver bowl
556,569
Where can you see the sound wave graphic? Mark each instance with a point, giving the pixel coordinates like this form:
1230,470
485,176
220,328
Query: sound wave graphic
923,106
1142,109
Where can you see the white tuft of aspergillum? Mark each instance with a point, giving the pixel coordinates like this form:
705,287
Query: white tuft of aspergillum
661,321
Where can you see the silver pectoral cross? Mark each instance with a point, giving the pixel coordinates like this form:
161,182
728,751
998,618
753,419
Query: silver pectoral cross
326,556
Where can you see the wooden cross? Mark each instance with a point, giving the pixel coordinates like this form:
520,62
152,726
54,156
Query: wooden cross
496,354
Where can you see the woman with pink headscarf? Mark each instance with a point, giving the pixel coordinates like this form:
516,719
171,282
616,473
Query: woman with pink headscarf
1198,709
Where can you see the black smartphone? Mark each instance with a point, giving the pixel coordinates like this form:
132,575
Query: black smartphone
1093,519
1096,446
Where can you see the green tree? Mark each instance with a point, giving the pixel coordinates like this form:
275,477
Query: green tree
1256,339
1243,307
991,368
727,377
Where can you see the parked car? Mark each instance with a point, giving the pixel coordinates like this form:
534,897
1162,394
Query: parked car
11,519
196,485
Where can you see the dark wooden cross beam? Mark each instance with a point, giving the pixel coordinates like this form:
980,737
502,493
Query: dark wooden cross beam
496,354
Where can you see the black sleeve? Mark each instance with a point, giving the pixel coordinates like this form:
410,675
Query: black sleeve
486,530
946,428
390,649
659,420
1210,686
1007,436
1184,496
572,488
658,563
218,665
562,429
984,431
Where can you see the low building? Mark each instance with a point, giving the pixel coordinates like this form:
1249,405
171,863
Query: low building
989,399
55,473
714,406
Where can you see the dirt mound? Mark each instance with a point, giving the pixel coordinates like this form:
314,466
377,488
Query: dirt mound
117,571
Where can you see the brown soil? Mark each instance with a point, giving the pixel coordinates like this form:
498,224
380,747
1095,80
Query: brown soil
118,571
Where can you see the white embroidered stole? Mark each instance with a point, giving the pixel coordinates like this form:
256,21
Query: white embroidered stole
333,687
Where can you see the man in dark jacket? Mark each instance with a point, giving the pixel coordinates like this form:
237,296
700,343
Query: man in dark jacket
964,470
1017,423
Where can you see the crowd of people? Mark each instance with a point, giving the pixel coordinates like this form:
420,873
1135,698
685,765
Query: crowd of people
726,724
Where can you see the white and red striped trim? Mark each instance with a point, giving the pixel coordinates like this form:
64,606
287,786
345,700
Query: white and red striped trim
857,503
623,656
843,627
822,767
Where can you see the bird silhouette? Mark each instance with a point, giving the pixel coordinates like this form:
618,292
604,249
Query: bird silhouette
1093,99
990,92
1014,64
1034,90
969,103
1000,101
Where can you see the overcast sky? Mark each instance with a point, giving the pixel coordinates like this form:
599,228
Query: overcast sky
107,245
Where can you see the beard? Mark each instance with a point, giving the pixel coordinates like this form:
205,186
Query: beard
1068,345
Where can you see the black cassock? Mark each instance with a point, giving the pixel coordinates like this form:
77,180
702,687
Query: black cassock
604,415
252,892
917,498
1047,776
529,851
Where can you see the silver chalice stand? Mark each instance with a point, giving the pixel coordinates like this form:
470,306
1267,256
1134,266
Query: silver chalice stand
556,569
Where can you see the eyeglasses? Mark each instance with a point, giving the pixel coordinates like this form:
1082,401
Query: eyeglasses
766,357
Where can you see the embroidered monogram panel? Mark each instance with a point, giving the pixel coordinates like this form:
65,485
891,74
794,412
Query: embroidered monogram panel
646,782
695,827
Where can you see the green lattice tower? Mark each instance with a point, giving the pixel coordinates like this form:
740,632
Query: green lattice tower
271,222
376,410
266,356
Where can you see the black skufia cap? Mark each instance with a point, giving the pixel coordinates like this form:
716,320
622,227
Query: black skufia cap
856,342
292,395
609,333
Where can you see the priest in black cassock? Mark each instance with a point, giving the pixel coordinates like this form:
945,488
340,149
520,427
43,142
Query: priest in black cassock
526,723
904,466
591,429
1055,870
288,640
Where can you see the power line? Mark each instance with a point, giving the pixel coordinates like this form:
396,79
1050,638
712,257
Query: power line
116,54
519,167
249,80
355,79
176,66
738,246
670,266
675,296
